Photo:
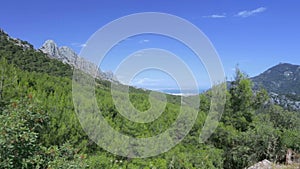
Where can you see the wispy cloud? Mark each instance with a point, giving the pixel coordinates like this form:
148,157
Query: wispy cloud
140,53
247,13
215,16
147,82
144,41
81,45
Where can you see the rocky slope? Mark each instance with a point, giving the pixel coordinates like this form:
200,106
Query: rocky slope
68,56
24,44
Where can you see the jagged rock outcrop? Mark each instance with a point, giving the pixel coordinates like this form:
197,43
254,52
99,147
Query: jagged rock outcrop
50,48
68,56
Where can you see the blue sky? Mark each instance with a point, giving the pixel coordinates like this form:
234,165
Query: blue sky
256,34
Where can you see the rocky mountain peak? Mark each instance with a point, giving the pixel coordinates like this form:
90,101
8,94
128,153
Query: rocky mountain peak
68,56
51,48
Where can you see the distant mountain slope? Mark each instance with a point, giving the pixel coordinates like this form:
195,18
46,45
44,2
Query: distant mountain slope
283,84
49,59
25,57
68,56
281,79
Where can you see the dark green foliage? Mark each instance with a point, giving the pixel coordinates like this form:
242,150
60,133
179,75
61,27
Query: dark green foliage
241,103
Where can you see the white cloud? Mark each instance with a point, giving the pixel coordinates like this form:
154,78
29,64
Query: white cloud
247,13
215,16
144,41
146,82
81,45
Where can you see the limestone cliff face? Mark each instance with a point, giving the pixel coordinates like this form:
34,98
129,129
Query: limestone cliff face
68,56
51,49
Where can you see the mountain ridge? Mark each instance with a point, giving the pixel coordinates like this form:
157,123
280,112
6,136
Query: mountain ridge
282,82
66,55
283,78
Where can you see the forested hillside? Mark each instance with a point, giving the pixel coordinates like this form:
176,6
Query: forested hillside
39,127
282,83
283,78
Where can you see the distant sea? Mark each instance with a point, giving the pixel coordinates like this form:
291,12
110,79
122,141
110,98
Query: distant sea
182,92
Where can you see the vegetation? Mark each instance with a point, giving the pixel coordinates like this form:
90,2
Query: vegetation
39,127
